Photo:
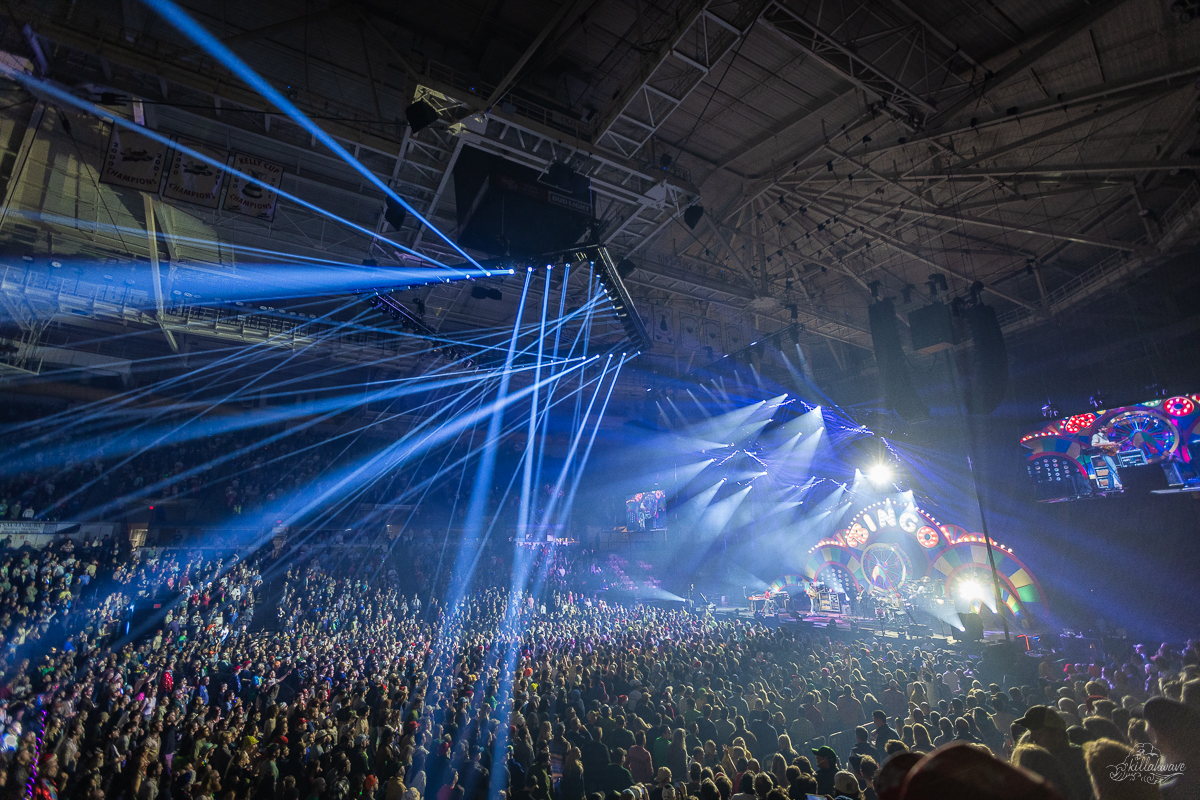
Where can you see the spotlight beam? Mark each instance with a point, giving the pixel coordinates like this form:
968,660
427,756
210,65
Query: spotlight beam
527,479
591,441
576,437
39,87
487,463
198,34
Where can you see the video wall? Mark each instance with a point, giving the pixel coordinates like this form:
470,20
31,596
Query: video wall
646,511
1084,455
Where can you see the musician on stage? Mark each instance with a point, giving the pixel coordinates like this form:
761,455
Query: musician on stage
1107,448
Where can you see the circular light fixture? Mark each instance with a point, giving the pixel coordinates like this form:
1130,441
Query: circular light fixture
879,474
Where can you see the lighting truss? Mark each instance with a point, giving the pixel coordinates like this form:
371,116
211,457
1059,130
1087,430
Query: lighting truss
386,304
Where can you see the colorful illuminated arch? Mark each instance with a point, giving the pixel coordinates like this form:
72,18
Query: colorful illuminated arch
784,581
950,552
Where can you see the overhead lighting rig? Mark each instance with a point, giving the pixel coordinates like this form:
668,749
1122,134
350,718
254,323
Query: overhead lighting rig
604,269
413,324
618,295
608,274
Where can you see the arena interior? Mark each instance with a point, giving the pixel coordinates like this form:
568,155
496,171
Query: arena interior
599,400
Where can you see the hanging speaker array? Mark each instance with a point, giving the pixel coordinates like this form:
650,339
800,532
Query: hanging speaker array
988,379
898,389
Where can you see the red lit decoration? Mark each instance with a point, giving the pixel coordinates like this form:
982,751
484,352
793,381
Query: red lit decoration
1179,406
928,537
1079,422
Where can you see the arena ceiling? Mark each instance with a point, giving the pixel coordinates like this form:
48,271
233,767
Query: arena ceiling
839,149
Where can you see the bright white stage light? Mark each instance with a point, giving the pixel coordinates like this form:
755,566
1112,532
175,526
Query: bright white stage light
970,590
879,474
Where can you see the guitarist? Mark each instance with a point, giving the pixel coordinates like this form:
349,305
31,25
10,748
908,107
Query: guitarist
1108,448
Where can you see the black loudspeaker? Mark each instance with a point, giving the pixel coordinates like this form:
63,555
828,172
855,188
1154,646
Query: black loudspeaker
898,389
560,176
931,328
989,373
420,115
394,213
505,210
972,627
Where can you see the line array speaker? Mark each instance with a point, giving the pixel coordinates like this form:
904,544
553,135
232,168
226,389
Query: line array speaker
898,389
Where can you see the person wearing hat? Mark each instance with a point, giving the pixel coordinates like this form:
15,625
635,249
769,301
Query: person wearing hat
827,767
1174,728
1047,729
846,785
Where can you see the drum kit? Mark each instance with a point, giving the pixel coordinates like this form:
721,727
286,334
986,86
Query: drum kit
887,605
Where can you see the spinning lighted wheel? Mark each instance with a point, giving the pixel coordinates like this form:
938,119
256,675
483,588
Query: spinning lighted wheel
1146,431
885,566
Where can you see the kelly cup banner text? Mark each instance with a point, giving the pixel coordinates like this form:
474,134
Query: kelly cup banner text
255,198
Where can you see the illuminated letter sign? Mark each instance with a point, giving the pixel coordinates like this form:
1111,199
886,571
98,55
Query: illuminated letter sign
887,517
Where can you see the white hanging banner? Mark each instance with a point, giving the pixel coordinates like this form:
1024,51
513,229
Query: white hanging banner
258,197
193,180
133,160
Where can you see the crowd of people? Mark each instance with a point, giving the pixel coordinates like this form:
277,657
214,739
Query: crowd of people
325,675
54,475
64,483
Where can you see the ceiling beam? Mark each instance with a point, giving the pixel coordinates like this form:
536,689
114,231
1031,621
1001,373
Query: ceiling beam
1079,21
734,298
1094,168
846,61
952,215
1096,114
902,247
270,30
666,76
1138,86
570,8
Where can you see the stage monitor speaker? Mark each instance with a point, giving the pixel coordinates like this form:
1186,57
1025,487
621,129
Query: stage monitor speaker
931,327
898,389
989,374
972,627
504,209
1005,662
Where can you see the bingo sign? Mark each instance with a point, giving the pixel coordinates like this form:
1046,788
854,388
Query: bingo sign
133,160
892,544
887,516
257,197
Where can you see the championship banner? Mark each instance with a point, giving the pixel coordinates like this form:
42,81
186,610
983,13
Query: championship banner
255,198
712,335
193,180
689,332
133,160
662,325
735,337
